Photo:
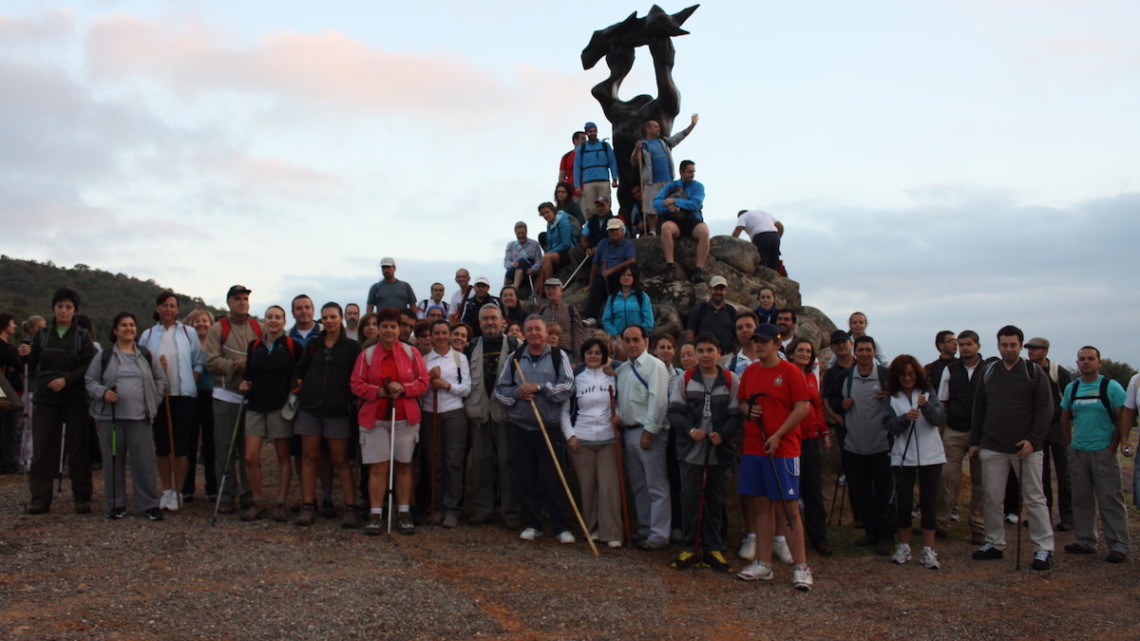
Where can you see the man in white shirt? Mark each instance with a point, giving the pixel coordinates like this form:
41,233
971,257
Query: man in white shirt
443,429
765,232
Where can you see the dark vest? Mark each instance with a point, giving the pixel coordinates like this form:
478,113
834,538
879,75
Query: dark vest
960,408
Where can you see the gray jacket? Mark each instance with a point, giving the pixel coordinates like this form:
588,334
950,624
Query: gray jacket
866,433
556,388
98,381
481,404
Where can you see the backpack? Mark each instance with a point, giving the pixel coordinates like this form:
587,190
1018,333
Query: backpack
225,321
727,376
1102,394
288,342
1030,370
555,359
105,355
851,376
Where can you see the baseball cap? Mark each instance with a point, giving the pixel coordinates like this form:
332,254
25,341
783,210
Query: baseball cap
552,282
387,261
718,281
238,289
483,280
614,223
839,336
766,331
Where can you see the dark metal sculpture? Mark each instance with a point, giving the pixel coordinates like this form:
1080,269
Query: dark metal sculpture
617,44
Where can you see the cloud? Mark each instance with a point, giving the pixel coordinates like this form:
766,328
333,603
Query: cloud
46,27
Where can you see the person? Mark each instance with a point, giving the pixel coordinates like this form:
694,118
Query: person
564,201
369,330
596,228
913,417
125,385
1056,449
566,164
465,291
408,324
512,307
653,157
767,307
10,368
663,345
1090,410
182,360
703,412
610,258
57,358
470,314
774,399
324,410
566,316
531,406
714,315
814,438
764,231
687,354
1127,418
352,321
202,430
589,431
449,376
523,257
832,391
304,327
786,323
628,305
389,377
746,353
514,330
461,335
436,300
390,292
559,241
594,166
487,419
1011,414
868,447
679,205
857,326
642,396
946,342
956,391
270,361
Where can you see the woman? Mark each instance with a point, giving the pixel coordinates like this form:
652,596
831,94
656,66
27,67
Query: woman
589,432
460,336
10,369
422,334
324,410
124,385
813,433
627,306
512,309
270,361
559,240
564,201
449,375
766,310
202,427
913,417
182,360
369,330
389,378
688,355
515,329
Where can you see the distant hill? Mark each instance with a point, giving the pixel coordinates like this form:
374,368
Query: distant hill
26,288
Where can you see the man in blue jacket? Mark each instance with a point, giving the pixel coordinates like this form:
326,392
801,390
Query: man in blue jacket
594,166
679,205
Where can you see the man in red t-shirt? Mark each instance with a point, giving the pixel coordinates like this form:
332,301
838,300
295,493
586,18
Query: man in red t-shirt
566,165
774,397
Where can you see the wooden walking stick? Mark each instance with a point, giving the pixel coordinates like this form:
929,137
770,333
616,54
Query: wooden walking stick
434,450
627,531
558,466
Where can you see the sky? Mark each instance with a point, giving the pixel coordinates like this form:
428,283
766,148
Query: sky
937,165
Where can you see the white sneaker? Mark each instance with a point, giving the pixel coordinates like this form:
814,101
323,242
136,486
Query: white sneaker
748,548
755,570
782,552
954,514
902,553
529,534
929,559
801,578
595,536
1012,519
915,512
614,545
168,501
565,537
841,481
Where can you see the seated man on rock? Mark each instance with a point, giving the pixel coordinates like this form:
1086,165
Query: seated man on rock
679,206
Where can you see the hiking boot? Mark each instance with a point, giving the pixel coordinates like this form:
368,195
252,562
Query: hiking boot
748,548
801,578
755,570
590,322
117,513
1079,548
782,552
1042,560
450,521
929,559
36,508
154,514
307,517
565,537
280,513
404,524
669,272
374,526
715,560
987,553
328,510
226,506
698,276
883,547
1116,556
902,553
529,534
351,519
685,560
614,545
255,511
82,506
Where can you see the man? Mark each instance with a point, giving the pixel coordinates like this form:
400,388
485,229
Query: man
832,392
774,399
523,257
304,330
537,404
1056,442
679,203
786,323
947,345
390,292
597,227
304,327
867,448
611,257
352,321
566,165
747,354
450,378
714,315
1012,410
1090,410
465,291
765,232
956,391
407,324
490,454
555,311
594,166
436,300
653,157
642,400
226,344
1127,418
472,306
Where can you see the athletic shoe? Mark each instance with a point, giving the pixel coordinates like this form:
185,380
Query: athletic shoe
929,559
1079,548
915,512
375,525
698,276
755,570
280,514
117,513
841,481
748,548
404,524
565,537
902,553
614,545
801,578
1116,556
351,519
883,547
154,514
782,552
1012,519
685,560
716,561
529,534
173,503
955,514
589,322
987,553
164,500
1042,560
328,510
450,521
307,517
255,511
650,546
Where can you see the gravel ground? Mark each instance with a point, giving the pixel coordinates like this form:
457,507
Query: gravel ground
67,576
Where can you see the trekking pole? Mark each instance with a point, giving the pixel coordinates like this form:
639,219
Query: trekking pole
114,462
434,450
557,466
701,503
170,441
533,294
228,462
626,529
391,454
62,453
1020,467
577,269
771,459
25,458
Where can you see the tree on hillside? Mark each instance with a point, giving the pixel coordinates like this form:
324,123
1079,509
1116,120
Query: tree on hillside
1118,371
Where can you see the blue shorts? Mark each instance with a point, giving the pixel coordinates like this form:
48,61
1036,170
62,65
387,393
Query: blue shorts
756,477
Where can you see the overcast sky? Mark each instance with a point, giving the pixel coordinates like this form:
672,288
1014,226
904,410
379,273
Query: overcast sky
940,164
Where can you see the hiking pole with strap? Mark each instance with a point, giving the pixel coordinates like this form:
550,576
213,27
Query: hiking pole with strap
577,269
434,450
701,503
391,455
228,462
533,294
557,466
1020,468
626,529
170,440
62,454
771,458
114,461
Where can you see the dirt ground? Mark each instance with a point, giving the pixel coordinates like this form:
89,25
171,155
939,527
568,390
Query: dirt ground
69,576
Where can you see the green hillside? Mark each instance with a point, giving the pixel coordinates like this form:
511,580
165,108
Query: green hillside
26,288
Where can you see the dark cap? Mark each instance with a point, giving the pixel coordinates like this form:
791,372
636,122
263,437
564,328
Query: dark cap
765,331
1038,342
839,336
237,289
